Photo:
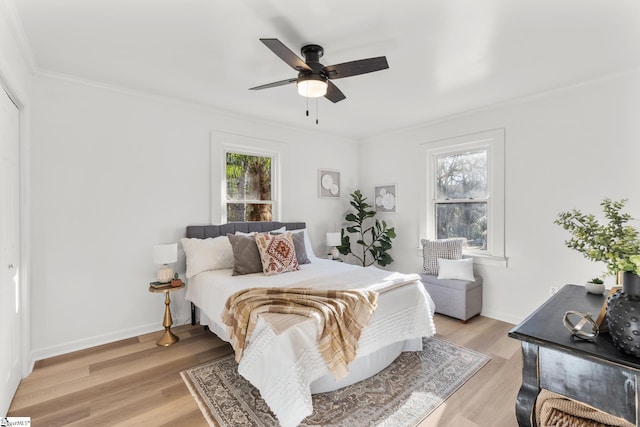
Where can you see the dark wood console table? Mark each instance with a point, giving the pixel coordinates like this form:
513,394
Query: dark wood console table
594,373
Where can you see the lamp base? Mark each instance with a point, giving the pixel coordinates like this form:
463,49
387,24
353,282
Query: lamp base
165,274
335,253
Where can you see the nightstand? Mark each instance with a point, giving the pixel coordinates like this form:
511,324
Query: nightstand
167,337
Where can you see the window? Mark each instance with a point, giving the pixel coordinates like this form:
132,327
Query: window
465,192
249,183
461,197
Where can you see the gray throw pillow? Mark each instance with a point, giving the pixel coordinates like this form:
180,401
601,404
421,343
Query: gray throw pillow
434,249
298,244
246,256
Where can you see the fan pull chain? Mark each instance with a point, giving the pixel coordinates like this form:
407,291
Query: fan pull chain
307,104
317,110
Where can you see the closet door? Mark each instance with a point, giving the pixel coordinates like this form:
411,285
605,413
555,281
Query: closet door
10,326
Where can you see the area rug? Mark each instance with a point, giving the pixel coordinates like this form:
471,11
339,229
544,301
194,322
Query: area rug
401,395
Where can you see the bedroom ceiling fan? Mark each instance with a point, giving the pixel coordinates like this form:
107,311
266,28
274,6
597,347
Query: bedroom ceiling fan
314,79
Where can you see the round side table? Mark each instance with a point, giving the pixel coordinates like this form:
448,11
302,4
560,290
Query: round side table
167,337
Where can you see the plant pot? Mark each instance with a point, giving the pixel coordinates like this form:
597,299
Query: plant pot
623,315
594,288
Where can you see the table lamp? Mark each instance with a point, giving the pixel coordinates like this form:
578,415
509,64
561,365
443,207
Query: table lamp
165,254
333,240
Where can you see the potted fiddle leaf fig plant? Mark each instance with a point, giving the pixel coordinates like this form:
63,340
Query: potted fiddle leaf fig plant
374,239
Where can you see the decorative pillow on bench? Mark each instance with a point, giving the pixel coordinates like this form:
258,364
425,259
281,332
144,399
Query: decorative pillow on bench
443,249
458,269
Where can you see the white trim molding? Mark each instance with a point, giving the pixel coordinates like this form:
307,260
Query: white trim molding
494,142
221,143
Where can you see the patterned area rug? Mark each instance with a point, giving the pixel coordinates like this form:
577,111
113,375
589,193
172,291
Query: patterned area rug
401,395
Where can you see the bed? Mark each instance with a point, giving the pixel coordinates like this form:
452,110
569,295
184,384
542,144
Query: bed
286,365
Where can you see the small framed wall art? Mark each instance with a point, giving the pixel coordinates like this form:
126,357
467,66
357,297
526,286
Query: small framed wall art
386,198
328,183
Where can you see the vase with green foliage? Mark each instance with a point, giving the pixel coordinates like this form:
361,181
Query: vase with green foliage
617,245
373,236
614,242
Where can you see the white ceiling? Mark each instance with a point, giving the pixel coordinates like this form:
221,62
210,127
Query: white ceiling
445,56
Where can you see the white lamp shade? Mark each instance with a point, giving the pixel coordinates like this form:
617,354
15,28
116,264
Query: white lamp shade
333,239
165,254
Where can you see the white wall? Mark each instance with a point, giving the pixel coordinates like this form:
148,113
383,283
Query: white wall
564,149
114,173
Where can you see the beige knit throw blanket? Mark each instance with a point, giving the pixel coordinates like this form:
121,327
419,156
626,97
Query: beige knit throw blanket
339,314
555,410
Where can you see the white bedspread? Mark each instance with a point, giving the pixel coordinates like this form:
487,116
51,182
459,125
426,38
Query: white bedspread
282,366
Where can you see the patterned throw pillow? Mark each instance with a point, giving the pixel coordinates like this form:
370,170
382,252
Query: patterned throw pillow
277,252
434,249
298,243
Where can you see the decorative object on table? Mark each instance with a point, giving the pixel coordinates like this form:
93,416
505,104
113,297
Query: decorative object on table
595,286
374,240
176,281
165,255
328,184
614,242
581,325
158,285
623,315
386,198
333,240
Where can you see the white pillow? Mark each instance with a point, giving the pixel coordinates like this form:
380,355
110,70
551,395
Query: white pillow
307,242
207,254
251,233
458,269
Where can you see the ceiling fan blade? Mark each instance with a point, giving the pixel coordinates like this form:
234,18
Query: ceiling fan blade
286,54
333,93
274,84
353,68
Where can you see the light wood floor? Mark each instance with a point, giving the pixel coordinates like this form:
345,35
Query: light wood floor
133,382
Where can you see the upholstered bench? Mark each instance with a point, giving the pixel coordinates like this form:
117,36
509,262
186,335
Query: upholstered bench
461,299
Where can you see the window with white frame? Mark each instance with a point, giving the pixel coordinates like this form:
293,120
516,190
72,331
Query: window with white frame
249,180
465,192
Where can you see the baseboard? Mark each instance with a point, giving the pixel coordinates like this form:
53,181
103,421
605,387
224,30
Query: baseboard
503,317
44,353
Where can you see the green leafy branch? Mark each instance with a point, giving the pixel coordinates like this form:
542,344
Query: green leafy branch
615,242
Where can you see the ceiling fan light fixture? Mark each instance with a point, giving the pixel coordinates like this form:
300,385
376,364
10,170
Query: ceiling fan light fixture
312,86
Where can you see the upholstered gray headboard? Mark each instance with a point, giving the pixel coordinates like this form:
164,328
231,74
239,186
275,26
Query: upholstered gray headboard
206,231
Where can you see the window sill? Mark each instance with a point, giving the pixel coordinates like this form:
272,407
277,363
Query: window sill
480,259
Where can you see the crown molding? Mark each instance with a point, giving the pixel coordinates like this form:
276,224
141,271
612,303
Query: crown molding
16,28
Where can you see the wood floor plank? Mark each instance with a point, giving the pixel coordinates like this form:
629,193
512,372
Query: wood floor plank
135,382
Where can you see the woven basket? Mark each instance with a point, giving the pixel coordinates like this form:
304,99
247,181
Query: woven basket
555,410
